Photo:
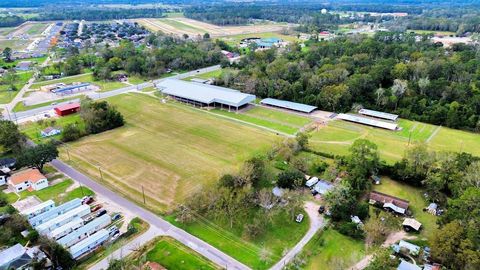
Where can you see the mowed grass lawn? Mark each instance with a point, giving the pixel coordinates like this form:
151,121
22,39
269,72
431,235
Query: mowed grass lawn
84,78
417,202
331,250
274,120
337,136
32,130
172,254
235,39
171,150
6,96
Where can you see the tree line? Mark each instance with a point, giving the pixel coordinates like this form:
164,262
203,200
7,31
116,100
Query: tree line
391,72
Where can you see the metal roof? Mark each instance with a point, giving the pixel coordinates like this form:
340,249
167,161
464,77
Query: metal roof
56,211
322,187
75,223
64,218
204,93
10,254
367,121
383,115
88,241
71,87
68,106
38,207
408,266
288,105
94,225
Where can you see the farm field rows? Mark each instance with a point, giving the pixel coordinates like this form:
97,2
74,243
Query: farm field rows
171,150
337,136
180,26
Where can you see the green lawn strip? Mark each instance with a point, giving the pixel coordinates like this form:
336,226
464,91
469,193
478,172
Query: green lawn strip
257,121
85,78
20,107
15,44
279,116
331,250
206,75
7,96
136,80
36,29
172,254
281,234
182,26
448,139
108,248
6,30
53,192
235,39
14,63
417,202
32,129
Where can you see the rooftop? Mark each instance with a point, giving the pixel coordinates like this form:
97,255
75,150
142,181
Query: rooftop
88,241
68,106
385,198
367,121
378,114
288,105
10,254
38,207
33,175
70,87
408,266
412,223
204,93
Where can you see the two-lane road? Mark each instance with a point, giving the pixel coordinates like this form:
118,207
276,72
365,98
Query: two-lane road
158,225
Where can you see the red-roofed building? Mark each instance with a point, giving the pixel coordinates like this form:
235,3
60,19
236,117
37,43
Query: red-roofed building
67,109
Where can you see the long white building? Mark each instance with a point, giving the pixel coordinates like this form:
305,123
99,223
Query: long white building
52,224
88,244
54,212
66,229
38,209
85,231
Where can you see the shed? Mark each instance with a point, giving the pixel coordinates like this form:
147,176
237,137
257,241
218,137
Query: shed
294,106
322,187
404,265
411,224
367,121
277,192
67,109
311,182
412,249
50,131
377,114
432,208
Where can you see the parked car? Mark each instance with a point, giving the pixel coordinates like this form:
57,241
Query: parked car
116,216
115,237
87,200
96,207
299,218
89,218
321,209
101,212
112,230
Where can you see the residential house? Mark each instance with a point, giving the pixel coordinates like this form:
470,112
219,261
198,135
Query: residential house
31,179
3,177
19,257
89,244
7,163
411,248
23,66
388,202
322,187
50,131
38,209
404,265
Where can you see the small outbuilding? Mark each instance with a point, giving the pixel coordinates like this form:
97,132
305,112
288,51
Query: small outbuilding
49,132
67,109
311,182
432,208
410,224
411,248
404,265
389,202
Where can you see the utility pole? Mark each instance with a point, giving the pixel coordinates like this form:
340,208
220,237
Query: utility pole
409,138
143,192
100,170
81,188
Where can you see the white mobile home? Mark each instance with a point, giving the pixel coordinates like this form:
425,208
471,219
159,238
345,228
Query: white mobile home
38,209
88,244
55,212
52,224
84,231
66,229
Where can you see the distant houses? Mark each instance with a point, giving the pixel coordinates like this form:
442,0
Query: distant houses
31,179
20,257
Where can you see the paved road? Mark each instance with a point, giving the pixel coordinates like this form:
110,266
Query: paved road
316,223
100,95
156,223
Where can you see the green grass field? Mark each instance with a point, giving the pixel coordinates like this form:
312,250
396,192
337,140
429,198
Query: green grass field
425,32
87,78
337,136
207,75
15,44
36,29
170,149
283,233
6,30
417,202
57,192
182,26
32,130
7,96
235,39
330,250
172,254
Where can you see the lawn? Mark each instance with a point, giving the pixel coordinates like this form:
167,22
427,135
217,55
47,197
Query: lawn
337,136
207,75
331,250
15,44
182,26
32,130
174,255
262,122
417,202
170,150
87,78
20,107
57,192
425,32
6,30
36,29
283,233
6,96
279,116
235,39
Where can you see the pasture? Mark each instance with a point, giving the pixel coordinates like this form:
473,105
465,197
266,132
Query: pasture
235,39
84,78
172,254
337,136
168,150
181,25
